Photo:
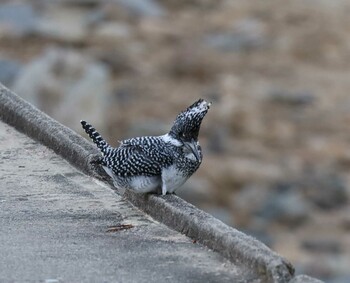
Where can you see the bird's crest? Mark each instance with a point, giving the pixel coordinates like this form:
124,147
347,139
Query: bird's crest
187,123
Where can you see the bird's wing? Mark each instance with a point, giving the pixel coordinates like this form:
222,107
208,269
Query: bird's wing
139,156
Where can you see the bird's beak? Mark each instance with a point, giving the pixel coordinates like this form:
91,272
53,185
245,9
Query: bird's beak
194,149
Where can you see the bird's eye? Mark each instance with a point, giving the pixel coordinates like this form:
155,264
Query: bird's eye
182,135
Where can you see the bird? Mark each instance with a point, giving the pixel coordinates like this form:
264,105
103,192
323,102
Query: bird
155,164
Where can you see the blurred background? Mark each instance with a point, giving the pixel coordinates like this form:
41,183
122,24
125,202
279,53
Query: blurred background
276,141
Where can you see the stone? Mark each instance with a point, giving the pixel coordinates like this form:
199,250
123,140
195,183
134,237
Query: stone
217,140
89,3
340,279
261,235
96,17
328,246
326,267
143,8
284,204
198,192
192,62
67,85
253,195
289,98
9,69
147,127
326,191
247,35
118,61
252,169
111,32
220,213
17,19
66,23
345,223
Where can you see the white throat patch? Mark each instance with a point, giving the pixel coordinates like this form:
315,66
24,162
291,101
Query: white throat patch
169,139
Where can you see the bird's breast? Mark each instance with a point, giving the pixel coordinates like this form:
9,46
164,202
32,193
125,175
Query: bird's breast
173,177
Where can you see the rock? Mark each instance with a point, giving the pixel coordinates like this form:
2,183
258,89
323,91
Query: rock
229,42
252,169
284,204
291,98
198,192
328,246
17,19
326,191
262,236
148,127
67,86
125,94
118,61
89,3
327,268
142,8
340,279
220,213
345,223
253,195
64,22
255,207
217,140
111,32
247,35
96,17
192,62
9,69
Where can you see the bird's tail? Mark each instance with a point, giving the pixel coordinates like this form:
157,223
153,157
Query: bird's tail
102,145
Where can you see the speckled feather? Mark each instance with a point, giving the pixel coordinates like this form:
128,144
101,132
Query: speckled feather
143,164
139,156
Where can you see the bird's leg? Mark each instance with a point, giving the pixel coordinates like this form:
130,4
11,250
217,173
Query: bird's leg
164,190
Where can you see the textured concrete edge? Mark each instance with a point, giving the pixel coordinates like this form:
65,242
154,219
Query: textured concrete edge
170,210
26,118
204,228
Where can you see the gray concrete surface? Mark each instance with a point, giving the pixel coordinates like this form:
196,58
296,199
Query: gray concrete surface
54,228
239,248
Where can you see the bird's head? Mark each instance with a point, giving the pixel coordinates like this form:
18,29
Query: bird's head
187,124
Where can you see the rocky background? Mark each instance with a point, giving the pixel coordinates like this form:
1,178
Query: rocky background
277,138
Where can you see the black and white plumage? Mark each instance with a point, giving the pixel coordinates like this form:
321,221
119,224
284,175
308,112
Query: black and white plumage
148,164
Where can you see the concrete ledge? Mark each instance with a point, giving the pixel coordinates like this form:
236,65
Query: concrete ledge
231,243
170,210
28,119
